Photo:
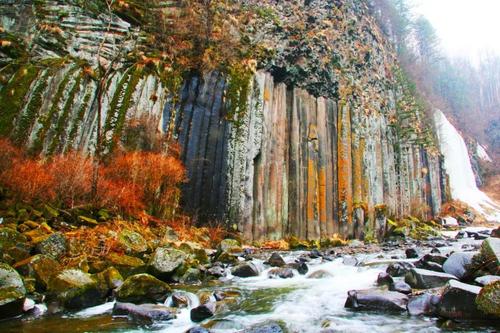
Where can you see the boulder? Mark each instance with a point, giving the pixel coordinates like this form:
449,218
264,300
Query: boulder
457,263
231,246
280,273
488,300
75,289
301,267
399,269
244,270
125,264
165,261
216,271
14,246
142,288
425,304
376,300
495,233
400,287
487,279
111,278
384,279
203,312
191,276
132,242
267,327
490,255
39,267
449,222
54,246
227,258
198,329
320,274
459,301
425,279
180,300
276,260
437,258
144,313
411,253
12,292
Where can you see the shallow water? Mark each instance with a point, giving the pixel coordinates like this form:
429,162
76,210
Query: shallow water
305,305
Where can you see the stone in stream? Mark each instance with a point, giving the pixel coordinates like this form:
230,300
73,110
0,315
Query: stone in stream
301,267
411,253
400,287
320,274
276,260
12,292
376,300
142,288
165,261
425,304
180,300
54,246
203,312
486,279
488,300
267,327
75,289
281,273
144,313
384,279
198,329
457,263
216,271
398,269
244,270
458,301
489,256
111,277
231,246
425,279
39,267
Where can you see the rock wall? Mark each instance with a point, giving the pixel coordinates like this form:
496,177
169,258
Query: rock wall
324,148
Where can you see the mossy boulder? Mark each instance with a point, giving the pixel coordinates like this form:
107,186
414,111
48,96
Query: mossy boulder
75,289
196,250
229,245
488,299
132,242
14,246
165,261
12,292
126,265
110,278
54,246
142,288
40,267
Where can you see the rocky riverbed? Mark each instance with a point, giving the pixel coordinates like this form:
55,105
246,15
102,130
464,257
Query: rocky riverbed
446,283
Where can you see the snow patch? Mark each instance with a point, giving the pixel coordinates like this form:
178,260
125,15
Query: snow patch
457,164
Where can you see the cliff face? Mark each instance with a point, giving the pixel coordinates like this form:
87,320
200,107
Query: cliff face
328,143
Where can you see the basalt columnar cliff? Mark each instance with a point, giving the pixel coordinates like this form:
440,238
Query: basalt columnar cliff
330,140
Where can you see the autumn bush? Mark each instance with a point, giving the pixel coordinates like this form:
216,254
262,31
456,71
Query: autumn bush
128,183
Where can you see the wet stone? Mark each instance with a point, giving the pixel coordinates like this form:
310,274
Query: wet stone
376,300
203,312
399,269
144,313
425,279
276,260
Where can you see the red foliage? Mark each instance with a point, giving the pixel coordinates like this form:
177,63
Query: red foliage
129,183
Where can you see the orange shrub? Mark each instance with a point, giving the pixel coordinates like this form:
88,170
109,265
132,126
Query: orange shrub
119,196
29,181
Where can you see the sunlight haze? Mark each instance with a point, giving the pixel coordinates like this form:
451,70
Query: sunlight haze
466,28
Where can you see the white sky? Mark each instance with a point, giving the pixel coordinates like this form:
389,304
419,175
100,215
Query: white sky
465,27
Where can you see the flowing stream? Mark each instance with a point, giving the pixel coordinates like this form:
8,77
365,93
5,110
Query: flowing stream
303,303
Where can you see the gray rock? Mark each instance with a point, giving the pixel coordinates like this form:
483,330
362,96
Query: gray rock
411,253
376,300
457,263
216,271
203,312
459,301
400,287
486,279
399,268
247,269
320,274
280,273
165,261
180,300
144,313
425,304
425,279
54,246
198,329
276,260
12,292
301,267
384,279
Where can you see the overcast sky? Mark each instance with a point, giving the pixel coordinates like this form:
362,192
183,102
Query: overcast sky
466,27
